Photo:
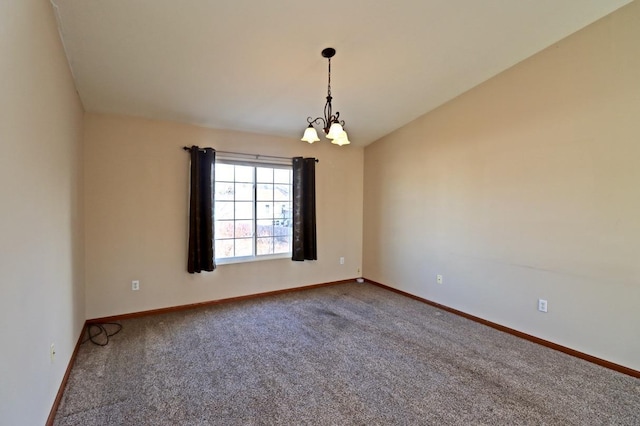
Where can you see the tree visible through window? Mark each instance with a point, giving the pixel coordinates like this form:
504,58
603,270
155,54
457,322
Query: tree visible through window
252,210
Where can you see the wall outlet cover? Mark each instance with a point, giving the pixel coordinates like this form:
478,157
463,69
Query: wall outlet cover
542,305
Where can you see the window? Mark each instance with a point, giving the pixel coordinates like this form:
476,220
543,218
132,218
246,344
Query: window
252,211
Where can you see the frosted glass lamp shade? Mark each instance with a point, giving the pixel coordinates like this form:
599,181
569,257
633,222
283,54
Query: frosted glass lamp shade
334,130
310,135
341,139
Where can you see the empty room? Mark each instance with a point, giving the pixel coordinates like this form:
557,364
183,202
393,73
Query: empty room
283,213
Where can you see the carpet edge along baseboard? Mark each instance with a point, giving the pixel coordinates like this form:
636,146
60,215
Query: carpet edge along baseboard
590,358
211,302
601,362
65,378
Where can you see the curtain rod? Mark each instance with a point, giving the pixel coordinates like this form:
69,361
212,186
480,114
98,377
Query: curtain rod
256,156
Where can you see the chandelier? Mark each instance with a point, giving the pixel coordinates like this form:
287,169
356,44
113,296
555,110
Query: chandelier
331,123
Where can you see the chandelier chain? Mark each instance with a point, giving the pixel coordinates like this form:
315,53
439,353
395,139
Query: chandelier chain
329,84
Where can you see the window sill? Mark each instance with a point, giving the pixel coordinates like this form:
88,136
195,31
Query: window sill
232,260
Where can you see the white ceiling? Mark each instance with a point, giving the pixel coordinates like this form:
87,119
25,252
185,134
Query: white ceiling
256,65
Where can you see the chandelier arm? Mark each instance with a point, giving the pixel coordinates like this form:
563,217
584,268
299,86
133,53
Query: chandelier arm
317,120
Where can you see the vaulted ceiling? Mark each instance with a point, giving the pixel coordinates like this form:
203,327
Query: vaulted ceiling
256,65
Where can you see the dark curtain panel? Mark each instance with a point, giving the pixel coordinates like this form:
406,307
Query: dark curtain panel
304,209
201,248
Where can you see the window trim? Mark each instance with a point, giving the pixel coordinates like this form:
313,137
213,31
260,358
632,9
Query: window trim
247,259
230,160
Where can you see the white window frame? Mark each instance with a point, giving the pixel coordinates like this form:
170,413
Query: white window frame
231,160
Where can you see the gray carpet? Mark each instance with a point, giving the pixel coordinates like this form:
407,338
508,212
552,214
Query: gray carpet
350,354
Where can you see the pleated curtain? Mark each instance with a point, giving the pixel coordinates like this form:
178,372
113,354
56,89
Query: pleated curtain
304,245
201,203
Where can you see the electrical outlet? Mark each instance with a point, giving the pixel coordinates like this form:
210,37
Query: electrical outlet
342,260
52,352
439,279
542,305
135,285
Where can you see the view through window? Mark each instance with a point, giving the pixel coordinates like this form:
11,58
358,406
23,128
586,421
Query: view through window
252,210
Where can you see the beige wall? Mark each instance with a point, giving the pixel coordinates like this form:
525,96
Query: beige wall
41,253
136,200
525,187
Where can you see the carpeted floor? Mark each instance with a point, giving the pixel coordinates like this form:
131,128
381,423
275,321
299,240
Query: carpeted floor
350,354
